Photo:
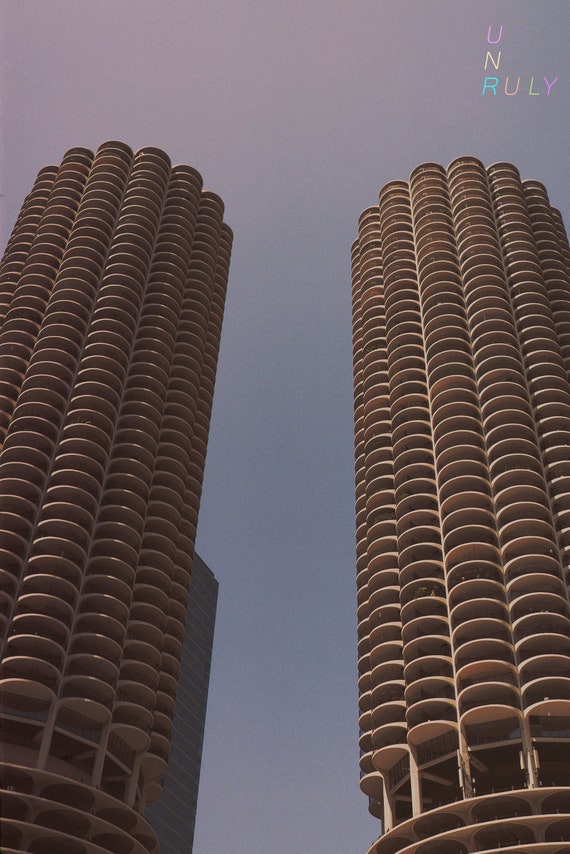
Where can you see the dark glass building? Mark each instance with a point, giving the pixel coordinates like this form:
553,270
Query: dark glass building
173,817
112,293
461,309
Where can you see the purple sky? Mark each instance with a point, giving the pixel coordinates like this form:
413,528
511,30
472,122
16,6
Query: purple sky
295,113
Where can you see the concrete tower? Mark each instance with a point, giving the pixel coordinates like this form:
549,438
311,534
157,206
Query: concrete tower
111,300
461,296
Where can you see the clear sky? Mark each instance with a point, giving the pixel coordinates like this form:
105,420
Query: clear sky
296,112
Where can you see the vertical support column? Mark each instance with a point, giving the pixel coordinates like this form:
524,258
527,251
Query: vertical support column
416,785
389,812
97,772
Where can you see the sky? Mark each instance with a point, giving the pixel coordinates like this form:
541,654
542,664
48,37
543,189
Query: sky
296,113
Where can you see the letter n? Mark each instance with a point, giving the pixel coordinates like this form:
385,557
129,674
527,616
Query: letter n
490,57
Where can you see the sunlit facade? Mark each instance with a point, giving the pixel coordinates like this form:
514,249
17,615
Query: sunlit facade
461,308
112,291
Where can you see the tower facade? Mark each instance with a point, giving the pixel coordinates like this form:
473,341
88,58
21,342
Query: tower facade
112,291
174,815
461,308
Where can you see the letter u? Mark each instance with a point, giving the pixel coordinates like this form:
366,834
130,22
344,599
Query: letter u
489,35
516,90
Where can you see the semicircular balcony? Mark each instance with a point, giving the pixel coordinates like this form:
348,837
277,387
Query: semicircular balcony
546,688
523,546
107,548
511,407
557,642
527,530
109,588
129,711
473,511
391,691
42,626
88,687
527,569
532,506
386,653
431,709
389,734
493,692
483,550
91,666
415,528
94,643
537,601
387,712
424,605
517,456
544,666
440,686
137,650
35,669
488,307
420,570
421,588
507,835
448,424
427,647
105,602
456,365
390,670
98,623
479,607
500,330
152,587
382,631
461,470
412,421
485,649
425,625
465,489
486,671
471,585
33,645
476,569
541,623
47,604
502,382
482,628
443,296
379,581
435,635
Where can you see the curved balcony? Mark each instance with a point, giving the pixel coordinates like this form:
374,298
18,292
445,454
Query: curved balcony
485,649
477,606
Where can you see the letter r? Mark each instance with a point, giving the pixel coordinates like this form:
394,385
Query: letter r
490,83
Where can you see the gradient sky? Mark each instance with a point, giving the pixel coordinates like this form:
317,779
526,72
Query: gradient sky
296,113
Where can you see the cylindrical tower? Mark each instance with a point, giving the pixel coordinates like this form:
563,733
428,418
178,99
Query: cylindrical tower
112,291
461,309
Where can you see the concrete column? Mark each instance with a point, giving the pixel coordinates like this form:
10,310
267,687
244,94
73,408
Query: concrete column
100,757
415,785
388,807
